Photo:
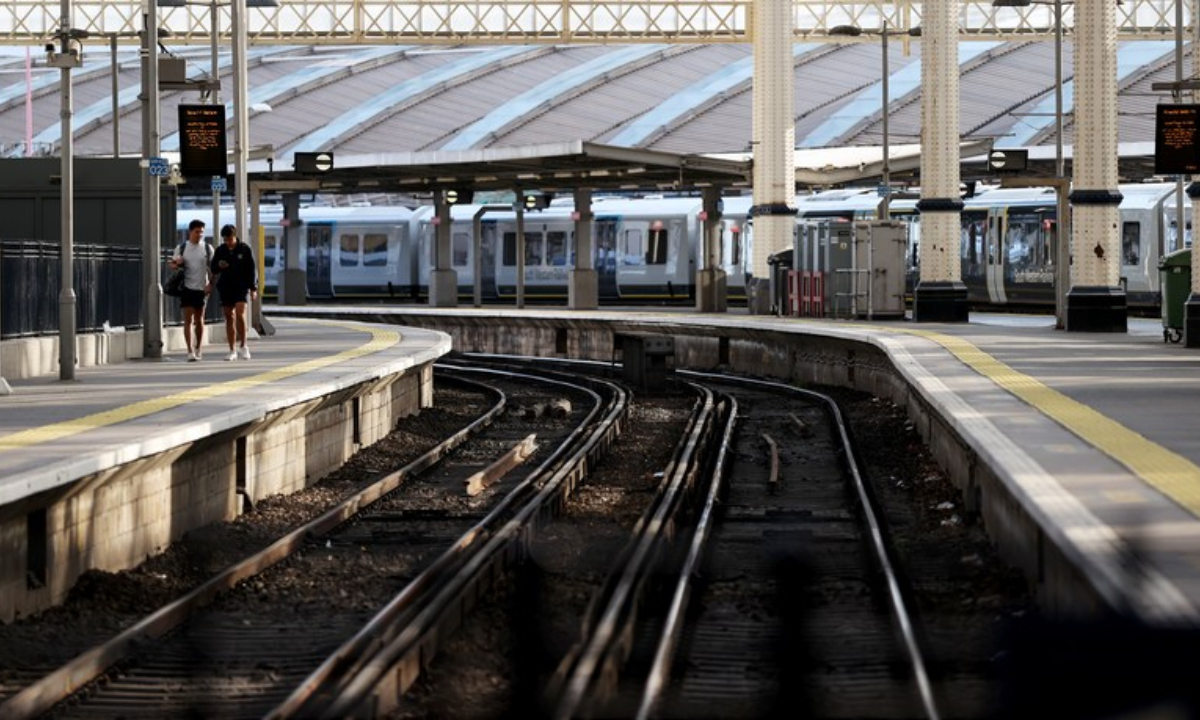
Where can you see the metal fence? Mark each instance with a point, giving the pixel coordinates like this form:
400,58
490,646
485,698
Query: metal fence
107,282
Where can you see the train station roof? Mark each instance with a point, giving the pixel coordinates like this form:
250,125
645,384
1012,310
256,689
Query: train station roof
556,167
686,101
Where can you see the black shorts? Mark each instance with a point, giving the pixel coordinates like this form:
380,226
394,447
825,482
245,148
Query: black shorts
192,298
231,299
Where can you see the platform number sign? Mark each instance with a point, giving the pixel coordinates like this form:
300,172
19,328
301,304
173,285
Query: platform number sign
159,167
219,184
312,162
1008,160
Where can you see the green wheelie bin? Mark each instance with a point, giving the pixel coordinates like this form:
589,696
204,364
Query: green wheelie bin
1175,282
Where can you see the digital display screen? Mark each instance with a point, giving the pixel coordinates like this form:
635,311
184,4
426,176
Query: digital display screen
202,140
1176,151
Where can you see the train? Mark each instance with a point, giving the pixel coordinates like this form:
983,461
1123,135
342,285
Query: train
648,249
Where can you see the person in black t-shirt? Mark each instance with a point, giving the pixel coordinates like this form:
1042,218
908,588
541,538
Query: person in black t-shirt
237,282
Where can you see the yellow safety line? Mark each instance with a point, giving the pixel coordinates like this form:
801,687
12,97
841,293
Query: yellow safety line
1172,474
380,340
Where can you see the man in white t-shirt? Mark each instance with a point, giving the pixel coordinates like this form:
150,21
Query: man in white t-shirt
194,256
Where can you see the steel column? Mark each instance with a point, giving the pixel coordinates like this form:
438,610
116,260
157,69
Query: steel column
66,293
940,295
1096,302
583,291
774,139
152,312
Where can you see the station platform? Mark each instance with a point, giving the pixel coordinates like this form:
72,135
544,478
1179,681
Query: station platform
1079,451
99,472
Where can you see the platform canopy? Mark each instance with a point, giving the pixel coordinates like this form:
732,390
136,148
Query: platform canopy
555,167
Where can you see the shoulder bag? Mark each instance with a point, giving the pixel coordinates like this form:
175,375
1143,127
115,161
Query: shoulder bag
174,284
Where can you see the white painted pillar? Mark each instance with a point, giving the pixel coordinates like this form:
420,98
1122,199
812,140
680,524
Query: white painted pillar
1095,302
940,295
774,142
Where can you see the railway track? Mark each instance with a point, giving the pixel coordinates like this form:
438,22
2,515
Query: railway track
725,558
800,610
243,653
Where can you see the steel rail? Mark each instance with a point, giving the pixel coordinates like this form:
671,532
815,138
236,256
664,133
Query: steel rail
900,612
660,669
380,678
606,639
40,697
333,676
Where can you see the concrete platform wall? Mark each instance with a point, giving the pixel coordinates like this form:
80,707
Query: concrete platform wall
22,358
116,519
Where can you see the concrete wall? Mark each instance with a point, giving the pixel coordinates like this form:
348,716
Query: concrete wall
116,519
38,356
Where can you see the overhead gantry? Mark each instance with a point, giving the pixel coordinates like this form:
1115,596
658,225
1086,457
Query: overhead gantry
368,22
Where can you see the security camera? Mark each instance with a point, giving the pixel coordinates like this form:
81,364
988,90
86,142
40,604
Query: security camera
176,177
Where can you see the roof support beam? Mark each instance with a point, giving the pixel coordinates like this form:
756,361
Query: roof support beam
454,22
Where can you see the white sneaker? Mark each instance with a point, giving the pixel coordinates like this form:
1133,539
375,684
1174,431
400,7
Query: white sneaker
199,355
244,352
192,356
232,356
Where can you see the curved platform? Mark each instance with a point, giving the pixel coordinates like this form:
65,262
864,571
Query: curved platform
102,471
1077,450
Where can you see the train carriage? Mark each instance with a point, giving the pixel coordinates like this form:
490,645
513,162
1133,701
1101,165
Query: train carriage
347,252
650,249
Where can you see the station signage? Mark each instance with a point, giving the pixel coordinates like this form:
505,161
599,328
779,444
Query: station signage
202,140
1177,140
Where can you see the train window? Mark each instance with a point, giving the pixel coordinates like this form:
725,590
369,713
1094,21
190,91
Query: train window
556,247
1131,249
375,249
348,247
270,243
534,252
460,249
510,249
656,253
735,245
633,252
1021,241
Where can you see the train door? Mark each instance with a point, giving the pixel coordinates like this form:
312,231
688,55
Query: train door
994,247
732,252
462,256
319,260
606,257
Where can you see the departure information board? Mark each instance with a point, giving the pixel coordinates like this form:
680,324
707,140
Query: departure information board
202,140
1177,140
